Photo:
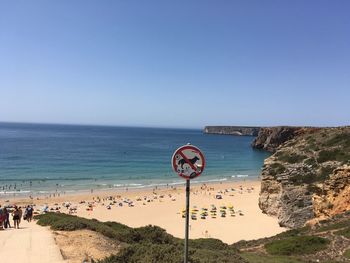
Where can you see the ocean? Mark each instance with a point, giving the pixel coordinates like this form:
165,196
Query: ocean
42,158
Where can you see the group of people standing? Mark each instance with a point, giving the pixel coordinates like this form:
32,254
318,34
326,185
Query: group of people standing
17,215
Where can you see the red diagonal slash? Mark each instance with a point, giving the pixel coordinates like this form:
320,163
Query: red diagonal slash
188,161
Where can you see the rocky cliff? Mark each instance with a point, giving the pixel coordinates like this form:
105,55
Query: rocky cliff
335,195
308,175
269,138
232,130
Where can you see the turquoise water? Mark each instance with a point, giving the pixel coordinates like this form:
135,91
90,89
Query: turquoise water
47,158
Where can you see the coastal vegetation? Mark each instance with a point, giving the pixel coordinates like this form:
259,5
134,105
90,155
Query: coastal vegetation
298,245
144,244
326,241
347,254
320,243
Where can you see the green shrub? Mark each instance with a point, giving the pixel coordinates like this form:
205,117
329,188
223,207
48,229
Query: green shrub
155,235
311,147
310,139
304,178
277,168
347,254
314,189
339,139
208,243
344,232
118,231
147,253
172,253
213,255
333,226
310,161
145,244
263,258
338,154
293,232
326,155
325,172
291,158
62,222
298,245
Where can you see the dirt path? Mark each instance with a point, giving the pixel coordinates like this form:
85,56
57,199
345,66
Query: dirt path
31,243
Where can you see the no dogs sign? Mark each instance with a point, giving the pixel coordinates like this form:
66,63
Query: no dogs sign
188,161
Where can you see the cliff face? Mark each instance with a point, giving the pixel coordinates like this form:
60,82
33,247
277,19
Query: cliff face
307,176
232,130
269,138
335,196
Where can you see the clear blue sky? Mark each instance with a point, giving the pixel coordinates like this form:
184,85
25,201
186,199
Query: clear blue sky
175,63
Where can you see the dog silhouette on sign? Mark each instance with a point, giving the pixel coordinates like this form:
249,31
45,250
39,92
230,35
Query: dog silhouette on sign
183,161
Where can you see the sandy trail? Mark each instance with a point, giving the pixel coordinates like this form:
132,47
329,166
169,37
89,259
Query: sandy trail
29,244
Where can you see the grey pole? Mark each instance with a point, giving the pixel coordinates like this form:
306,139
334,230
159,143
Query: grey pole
187,218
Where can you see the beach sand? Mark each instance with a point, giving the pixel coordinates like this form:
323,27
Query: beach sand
163,207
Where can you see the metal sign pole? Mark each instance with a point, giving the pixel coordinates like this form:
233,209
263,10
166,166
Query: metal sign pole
187,218
188,162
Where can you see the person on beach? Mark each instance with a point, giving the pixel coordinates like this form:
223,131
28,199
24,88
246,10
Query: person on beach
29,213
6,213
20,214
1,218
16,218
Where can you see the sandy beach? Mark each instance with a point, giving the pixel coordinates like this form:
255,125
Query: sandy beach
237,201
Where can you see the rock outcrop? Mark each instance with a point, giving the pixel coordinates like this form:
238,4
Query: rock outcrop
232,130
269,138
335,195
307,176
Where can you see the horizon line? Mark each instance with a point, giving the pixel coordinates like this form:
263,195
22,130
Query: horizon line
165,127
98,125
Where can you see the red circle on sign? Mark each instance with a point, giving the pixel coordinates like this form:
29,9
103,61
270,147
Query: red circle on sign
177,162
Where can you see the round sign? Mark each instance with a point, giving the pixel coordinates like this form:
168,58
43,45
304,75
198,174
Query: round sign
188,161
